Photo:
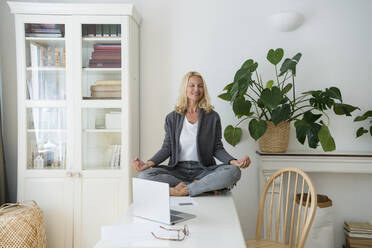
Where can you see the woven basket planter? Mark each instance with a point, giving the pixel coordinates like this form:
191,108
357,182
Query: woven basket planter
22,226
276,138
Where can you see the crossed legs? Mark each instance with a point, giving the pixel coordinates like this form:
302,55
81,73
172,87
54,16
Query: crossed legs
193,182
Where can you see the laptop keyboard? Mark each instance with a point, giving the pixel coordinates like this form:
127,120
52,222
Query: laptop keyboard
175,218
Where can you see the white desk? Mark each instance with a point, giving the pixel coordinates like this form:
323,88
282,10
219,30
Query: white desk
216,225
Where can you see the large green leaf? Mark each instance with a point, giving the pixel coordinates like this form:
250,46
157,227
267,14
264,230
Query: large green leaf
233,135
297,57
320,100
225,96
280,114
242,73
239,88
271,97
275,56
343,109
364,116
301,130
287,88
269,84
326,139
307,130
309,117
335,93
290,64
250,65
257,128
242,107
361,131
229,86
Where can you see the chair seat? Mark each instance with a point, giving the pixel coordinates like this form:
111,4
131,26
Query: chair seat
264,243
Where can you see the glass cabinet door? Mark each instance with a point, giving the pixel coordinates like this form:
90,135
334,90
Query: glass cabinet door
101,61
45,61
45,94
101,83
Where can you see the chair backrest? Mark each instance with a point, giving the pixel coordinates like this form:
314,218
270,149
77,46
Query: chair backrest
292,221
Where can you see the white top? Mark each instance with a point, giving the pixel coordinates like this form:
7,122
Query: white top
216,225
188,141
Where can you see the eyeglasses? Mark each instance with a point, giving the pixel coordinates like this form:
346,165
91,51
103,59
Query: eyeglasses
180,237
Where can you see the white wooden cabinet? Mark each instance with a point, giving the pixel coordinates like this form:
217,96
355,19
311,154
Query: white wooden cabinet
78,114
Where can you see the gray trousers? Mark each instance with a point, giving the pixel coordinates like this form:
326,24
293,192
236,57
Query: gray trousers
211,178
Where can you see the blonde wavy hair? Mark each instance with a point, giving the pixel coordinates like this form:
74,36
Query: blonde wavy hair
204,103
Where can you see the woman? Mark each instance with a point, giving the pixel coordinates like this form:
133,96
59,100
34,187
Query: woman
192,140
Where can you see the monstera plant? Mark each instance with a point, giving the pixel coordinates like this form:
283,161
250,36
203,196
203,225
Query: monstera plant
276,100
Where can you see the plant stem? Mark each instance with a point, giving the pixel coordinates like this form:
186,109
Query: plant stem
276,74
241,121
294,117
294,91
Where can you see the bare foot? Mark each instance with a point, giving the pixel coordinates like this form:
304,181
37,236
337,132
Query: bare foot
179,190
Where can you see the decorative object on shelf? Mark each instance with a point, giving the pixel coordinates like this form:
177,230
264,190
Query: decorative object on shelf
113,120
286,21
276,101
363,117
22,225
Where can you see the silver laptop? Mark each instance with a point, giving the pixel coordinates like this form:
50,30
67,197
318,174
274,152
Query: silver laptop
151,201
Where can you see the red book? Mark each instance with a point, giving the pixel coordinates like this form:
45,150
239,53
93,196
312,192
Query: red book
104,61
105,65
107,52
108,57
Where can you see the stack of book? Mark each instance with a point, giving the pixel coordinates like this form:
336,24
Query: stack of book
106,56
358,234
106,89
44,30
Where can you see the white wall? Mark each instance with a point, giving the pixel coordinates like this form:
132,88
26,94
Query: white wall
214,38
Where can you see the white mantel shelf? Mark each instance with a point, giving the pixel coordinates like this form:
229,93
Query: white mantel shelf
316,162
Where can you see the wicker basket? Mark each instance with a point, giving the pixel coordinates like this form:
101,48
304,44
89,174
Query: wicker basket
22,225
276,138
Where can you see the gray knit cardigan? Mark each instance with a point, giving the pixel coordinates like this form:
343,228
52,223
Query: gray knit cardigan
208,144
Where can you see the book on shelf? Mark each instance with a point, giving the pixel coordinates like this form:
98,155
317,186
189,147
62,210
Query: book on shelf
105,88
115,156
98,30
106,57
104,65
41,55
44,30
108,82
107,46
358,226
106,94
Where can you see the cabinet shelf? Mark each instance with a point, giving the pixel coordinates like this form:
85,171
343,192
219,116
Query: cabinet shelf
102,130
46,38
92,39
46,130
45,68
102,69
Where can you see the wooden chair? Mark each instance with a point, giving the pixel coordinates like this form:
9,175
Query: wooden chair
292,222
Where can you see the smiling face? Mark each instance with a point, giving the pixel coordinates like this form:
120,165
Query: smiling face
195,89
